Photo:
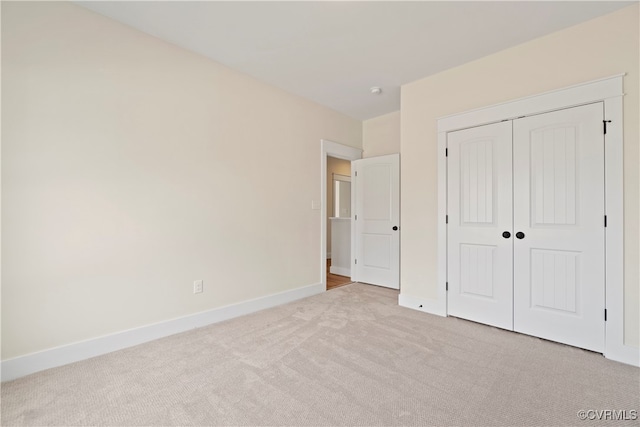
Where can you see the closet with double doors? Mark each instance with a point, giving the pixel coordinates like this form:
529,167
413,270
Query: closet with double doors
526,225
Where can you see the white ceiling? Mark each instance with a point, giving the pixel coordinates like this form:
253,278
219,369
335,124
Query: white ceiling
332,52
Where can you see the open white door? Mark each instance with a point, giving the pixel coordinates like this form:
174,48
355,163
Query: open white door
377,220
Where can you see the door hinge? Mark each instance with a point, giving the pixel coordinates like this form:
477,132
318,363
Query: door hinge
356,217
605,314
604,124
356,261
356,173
605,220
446,219
446,152
447,286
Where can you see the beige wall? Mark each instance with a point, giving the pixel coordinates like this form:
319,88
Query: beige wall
381,135
599,48
131,168
340,167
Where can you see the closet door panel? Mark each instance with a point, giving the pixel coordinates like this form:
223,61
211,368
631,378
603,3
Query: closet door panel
480,210
558,163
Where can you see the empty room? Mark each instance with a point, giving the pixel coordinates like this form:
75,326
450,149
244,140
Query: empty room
320,213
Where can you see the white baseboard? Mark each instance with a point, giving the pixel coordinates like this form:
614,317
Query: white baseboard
624,354
430,306
63,355
342,271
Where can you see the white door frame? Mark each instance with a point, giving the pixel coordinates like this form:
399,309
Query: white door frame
340,151
608,90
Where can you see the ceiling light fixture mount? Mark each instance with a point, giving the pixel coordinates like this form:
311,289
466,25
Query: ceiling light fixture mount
376,90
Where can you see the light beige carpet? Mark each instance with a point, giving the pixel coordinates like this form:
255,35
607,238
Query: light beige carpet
350,356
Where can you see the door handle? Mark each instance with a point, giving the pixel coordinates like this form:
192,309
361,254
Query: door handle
506,234
520,235
395,228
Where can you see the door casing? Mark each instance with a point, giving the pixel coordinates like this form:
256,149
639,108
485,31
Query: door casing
610,92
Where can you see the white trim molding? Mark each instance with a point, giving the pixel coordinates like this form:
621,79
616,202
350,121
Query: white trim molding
63,355
340,271
431,306
609,91
615,347
572,96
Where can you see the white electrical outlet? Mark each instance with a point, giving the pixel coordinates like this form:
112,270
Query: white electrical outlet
197,286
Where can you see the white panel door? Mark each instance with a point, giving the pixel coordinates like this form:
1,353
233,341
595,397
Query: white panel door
480,224
559,279
377,220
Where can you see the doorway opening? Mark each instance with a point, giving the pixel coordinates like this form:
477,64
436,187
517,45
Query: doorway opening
338,237
335,181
